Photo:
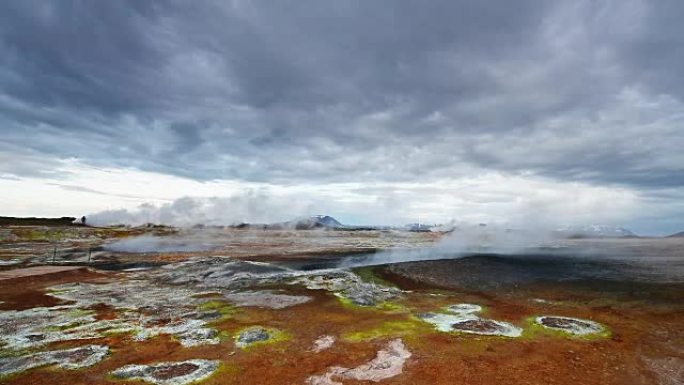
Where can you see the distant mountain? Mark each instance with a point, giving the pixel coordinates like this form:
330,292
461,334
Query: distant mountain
327,221
593,231
310,223
315,222
678,235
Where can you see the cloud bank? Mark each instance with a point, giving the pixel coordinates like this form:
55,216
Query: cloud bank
326,92
518,202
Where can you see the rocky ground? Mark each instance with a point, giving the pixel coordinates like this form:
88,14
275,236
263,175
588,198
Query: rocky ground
37,245
218,318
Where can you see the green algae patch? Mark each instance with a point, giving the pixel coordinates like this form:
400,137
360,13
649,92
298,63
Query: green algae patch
225,370
386,329
9,376
76,313
392,307
346,302
213,305
534,330
116,332
51,291
384,306
210,294
367,274
349,304
249,337
45,235
225,309
9,353
224,335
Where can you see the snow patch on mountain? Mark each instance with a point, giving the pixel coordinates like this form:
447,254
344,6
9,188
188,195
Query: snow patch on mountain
594,231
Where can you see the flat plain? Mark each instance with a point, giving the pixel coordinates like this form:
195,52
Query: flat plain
231,306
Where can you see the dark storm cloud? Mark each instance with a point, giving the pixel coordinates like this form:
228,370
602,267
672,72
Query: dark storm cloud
653,50
349,90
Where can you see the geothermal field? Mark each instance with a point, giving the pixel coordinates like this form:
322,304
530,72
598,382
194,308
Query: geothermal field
331,192
160,305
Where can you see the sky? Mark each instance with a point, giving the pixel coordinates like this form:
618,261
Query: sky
375,112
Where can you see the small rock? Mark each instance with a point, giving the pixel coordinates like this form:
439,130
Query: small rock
570,325
362,299
201,336
323,343
252,335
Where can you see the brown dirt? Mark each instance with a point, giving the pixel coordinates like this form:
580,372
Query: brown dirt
438,358
28,292
646,341
35,271
104,312
171,371
484,326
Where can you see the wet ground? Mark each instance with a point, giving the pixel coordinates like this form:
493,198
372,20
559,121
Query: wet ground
173,318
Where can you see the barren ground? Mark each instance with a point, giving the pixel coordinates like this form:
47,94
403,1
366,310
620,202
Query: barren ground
195,304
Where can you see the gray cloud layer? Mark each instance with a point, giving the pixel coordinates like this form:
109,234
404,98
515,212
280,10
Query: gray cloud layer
308,91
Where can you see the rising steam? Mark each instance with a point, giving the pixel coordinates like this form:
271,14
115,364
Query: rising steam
251,206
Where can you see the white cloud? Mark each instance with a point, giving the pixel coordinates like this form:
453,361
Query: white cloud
435,111
137,197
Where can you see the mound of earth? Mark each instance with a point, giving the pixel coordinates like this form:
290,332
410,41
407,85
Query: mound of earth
168,373
482,326
67,359
253,335
462,319
570,325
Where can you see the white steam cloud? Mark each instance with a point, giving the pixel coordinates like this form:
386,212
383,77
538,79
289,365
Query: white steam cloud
252,206
518,202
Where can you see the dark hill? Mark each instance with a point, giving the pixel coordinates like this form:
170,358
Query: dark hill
14,221
314,222
310,223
